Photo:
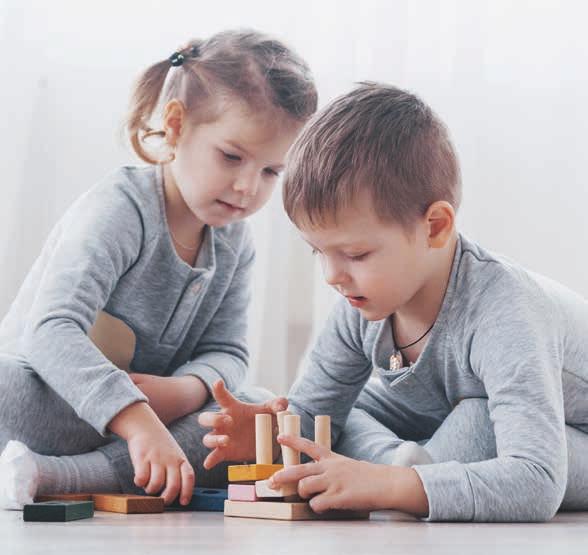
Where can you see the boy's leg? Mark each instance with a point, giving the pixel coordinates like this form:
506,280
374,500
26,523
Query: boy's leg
188,433
467,435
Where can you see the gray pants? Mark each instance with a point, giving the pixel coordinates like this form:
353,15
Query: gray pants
466,435
31,412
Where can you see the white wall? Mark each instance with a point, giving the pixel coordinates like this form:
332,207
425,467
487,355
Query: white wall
509,78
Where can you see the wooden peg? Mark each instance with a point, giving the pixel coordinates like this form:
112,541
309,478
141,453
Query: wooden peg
263,439
291,428
322,431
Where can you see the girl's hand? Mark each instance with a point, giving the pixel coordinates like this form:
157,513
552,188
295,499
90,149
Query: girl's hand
158,461
233,428
172,397
336,482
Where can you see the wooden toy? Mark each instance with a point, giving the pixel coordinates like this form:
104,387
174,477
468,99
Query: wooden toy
58,511
284,505
287,511
112,502
242,492
203,499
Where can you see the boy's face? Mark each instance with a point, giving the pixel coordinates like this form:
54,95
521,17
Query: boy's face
378,266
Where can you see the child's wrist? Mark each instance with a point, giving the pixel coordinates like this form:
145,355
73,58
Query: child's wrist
134,419
194,393
404,491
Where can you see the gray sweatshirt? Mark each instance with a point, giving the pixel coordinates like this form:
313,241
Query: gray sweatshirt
111,254
503,333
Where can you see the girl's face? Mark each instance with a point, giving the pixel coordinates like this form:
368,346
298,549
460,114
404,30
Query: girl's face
226,169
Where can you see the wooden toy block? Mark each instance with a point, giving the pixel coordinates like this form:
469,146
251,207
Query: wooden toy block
58,511
322,431
262,489
252,472
203,499
64,497
128,504
291,428
242,492
287,511
281,415
263,439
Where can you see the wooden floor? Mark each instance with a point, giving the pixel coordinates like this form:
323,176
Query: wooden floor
386,533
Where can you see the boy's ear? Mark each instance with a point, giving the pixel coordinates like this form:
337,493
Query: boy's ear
440,218
174,120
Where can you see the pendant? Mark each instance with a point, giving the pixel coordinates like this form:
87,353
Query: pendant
396,361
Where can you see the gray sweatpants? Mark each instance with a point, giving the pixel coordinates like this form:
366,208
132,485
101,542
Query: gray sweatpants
31,412
465,436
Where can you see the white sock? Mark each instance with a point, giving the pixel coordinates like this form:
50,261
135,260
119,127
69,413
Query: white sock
410,453
25,474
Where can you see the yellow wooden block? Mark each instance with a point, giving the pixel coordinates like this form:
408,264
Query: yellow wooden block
252,472
287,511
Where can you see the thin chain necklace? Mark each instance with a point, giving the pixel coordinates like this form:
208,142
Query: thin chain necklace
182,244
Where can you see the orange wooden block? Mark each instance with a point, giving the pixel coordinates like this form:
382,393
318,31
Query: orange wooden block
128,504
252,472
287,511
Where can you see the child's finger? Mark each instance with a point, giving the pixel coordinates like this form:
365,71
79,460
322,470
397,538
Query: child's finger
172,484
313,450
294,474
324,502
142,473
311,485
276,405
156,480
215,420
212,441
188,482
222,395
215,457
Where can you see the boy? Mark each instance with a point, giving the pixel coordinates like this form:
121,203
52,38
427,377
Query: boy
482,367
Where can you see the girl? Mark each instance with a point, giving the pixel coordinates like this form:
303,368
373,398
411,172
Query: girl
138,300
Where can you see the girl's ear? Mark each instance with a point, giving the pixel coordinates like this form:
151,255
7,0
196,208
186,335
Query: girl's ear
174,121
440,219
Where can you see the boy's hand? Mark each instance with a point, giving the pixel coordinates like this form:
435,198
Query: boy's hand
172,397
333,481
233,427
158,461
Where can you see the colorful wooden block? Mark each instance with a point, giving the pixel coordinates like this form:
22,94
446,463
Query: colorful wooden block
58,511
242,492
252,472
127,504
287,511
262,489
203,499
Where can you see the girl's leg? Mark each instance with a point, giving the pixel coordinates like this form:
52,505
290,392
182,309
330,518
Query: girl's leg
467,435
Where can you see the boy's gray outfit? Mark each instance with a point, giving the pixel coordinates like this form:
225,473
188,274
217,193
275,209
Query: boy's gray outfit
514,346
112,252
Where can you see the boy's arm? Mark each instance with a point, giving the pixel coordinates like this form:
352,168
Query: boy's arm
336,372
93,245
517,353
222,351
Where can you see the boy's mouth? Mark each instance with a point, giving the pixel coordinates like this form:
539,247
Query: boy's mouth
356,302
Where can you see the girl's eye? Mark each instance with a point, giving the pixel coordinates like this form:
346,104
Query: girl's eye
232,157
272,173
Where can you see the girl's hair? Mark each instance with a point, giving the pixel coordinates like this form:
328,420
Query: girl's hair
240,64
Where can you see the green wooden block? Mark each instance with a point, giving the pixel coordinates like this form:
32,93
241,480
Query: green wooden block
58,511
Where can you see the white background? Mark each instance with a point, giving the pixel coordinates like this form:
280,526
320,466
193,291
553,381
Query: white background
510,78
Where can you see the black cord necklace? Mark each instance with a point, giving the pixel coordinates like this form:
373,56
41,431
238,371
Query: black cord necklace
398,347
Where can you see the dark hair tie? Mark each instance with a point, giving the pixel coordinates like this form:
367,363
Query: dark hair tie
177,59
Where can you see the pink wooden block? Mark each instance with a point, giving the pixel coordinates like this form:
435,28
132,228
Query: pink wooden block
242,492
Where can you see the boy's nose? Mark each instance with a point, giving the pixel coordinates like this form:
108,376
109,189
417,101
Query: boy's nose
334,275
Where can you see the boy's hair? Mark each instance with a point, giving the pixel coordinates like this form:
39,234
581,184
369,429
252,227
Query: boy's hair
376,137
240,64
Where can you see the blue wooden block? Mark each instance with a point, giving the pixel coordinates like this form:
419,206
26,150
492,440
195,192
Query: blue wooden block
203,499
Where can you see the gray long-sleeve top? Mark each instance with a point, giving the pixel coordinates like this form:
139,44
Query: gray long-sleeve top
503,333
112,252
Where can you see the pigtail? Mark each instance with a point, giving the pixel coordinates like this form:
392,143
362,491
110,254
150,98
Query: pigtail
145,96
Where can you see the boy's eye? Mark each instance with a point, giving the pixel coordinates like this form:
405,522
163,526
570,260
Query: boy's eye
357,257
231,157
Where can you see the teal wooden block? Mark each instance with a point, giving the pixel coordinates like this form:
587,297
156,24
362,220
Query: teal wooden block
203,499
58,511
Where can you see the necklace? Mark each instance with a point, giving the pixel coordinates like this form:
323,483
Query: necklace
396,360
182,244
